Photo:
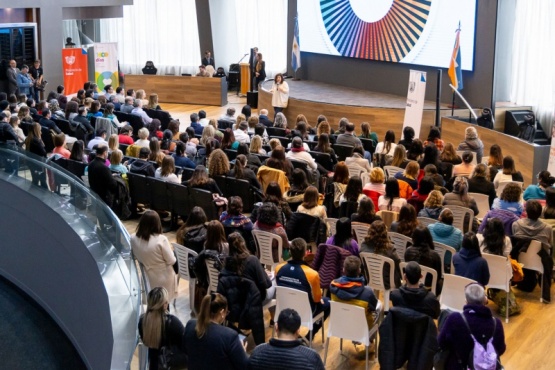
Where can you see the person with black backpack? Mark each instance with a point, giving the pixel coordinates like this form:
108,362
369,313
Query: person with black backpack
473,339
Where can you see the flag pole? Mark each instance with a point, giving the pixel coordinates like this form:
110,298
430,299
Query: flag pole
453,105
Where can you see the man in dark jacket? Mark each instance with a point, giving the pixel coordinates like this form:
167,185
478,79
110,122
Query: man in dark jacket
45,121
263,118
100,176
454,335
285,351
414,295
351,288
142,166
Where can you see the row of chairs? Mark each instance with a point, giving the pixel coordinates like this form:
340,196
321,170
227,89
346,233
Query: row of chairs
176,198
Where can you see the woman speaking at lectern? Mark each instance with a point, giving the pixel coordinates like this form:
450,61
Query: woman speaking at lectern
280,94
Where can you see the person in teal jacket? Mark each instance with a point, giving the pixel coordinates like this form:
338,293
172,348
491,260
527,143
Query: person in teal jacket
545,180
444,232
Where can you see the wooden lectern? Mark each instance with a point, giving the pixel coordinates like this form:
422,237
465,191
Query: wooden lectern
245,78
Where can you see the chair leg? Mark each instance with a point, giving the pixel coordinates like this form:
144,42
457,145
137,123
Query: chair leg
326,350
322,330
192,283
367,347
340,344
541,288
507,307
310,335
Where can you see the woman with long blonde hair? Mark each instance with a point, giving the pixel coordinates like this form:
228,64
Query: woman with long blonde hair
157,328
208,133
209,344
153,102
256,145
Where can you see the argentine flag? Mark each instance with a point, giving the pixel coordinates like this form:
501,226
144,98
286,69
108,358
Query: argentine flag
455,71
295,50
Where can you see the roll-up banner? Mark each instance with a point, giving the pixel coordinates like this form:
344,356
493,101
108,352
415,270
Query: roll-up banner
106,65
415,101
76,71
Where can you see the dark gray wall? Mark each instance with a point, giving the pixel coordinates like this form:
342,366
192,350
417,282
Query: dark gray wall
392,78
205,28
35,243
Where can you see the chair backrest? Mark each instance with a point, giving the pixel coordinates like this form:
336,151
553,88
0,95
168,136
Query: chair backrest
323,159
390,171
204,199
375,265
452,294
343,151
360,230
264,241
474,159
159,196
180,200
388,217
355,170
482,201
297,300
346,209
530,258
442,249
213,275
345,322
138,188
400,243
368,145
285,141
276,131
183,254
502,185
332,222
425,271
243,189
459,215
427,221
500,271
301,225
485,159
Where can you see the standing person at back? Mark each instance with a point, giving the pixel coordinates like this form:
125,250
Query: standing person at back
280,94
456,335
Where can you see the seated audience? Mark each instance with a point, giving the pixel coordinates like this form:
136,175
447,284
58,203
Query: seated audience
413,294
242,172
310,204
200,180
472,143
343,237
466,167
166,172
234,216
115,162
218,163
353,191
469,263
268,220
141,165
387,147
399,158
99,139
434,137
456,335
285,350
407,221
494,240
351,289
180,158
366,132
299,184
532,226
408,138
391,201
444,232
143,141
459,197
298,152
376,186
508,172
422,251
449,155
366,212
296,274
125,135
433,205
377,241
193,232
358,159
510,199
208,343
545,180
479,183
60,146
349,137
101,180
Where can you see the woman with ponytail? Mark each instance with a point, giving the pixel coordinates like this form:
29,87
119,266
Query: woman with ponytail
459,197
209,344
242,172
157,329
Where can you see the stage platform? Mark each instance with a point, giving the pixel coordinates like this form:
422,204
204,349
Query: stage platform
383,111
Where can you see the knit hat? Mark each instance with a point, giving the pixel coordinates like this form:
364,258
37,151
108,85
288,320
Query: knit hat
470,133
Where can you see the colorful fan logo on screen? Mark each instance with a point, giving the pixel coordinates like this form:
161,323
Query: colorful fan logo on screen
384,30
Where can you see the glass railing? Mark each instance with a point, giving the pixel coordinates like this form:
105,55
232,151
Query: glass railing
99,228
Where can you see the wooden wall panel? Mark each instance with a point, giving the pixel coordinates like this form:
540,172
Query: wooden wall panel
181,89
529,158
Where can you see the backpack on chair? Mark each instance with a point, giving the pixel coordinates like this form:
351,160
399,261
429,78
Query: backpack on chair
483,357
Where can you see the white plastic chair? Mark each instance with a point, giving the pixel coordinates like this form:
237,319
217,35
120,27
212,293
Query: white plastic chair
427,221
459,214
532,261
345,322
501,273
474,159
375,265
355,170
299,301
264,241
502,185
485,159
332,222
452,295
183,254
213,275
482,201
390,171
400,243
360,230
425,271
441,249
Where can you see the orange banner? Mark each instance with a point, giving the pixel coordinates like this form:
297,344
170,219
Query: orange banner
75,67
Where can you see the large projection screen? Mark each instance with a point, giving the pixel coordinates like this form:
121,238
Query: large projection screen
402,31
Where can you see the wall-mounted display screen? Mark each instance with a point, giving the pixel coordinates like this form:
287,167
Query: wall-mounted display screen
401,31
